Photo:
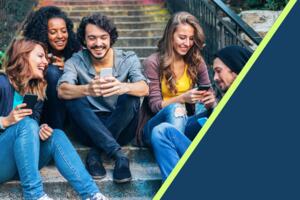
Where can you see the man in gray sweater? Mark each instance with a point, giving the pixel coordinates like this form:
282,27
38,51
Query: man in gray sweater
102,87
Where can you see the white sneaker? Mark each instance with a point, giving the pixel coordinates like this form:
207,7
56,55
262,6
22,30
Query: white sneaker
45,197
97,196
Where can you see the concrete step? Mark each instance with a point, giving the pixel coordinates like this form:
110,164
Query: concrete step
140,51
146,180
139,155
149,32
140,25
119,12
134,18
136,25
98,7
137,41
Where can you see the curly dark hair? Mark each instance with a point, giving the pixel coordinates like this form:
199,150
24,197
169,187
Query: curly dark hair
36,28
102,22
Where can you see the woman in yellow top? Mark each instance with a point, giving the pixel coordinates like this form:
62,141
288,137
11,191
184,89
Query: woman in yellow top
183,84
174,72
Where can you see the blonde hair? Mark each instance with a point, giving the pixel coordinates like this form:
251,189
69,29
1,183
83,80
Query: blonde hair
167,55
19,71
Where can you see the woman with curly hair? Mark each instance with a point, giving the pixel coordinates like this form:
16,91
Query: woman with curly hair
52,27
26,147
174,72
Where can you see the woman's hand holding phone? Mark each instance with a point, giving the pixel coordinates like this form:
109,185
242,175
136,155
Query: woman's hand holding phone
209,99
16,115
192,96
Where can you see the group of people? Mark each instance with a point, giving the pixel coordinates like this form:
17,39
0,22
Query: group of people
64,70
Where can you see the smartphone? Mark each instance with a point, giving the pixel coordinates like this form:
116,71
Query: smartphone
51,58
30,100
204,87
105,72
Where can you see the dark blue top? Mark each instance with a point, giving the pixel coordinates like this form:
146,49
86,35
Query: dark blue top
7,99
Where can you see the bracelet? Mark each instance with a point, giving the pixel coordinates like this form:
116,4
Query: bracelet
1,125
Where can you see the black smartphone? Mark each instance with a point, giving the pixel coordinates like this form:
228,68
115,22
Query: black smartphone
204,87
30,100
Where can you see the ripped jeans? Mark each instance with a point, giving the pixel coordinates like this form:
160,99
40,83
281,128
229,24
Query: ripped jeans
174,114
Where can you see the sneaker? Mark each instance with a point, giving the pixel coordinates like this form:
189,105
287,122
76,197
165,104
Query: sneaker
45,197
95,167
122,172
97,196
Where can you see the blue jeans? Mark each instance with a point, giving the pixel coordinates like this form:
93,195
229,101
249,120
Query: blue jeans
102,130
54,111
21,149
168,145
168,114
165,134
193,127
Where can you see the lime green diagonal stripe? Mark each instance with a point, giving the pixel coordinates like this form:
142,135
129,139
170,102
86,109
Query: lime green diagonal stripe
225,99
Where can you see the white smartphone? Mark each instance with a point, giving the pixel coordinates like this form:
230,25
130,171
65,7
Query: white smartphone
105,72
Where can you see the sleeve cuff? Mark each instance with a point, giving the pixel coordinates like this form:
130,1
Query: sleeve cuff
1,125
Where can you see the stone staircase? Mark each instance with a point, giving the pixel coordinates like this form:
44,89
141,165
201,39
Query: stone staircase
140,25
146,179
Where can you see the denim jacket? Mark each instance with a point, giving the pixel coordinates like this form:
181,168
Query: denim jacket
7,98
79,70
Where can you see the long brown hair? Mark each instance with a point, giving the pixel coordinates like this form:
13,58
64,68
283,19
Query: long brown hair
19,71
167,55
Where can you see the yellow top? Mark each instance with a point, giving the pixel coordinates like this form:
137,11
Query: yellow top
183,84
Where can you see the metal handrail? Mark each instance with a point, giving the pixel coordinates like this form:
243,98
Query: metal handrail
221,25
253,35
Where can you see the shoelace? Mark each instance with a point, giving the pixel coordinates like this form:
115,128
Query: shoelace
45,197
98,196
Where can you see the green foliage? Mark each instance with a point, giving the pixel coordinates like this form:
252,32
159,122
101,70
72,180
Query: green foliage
260,4
13,12
255,3
1,58
276,4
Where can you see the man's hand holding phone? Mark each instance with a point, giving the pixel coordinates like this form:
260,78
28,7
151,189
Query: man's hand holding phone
93,88
111,86
106,85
